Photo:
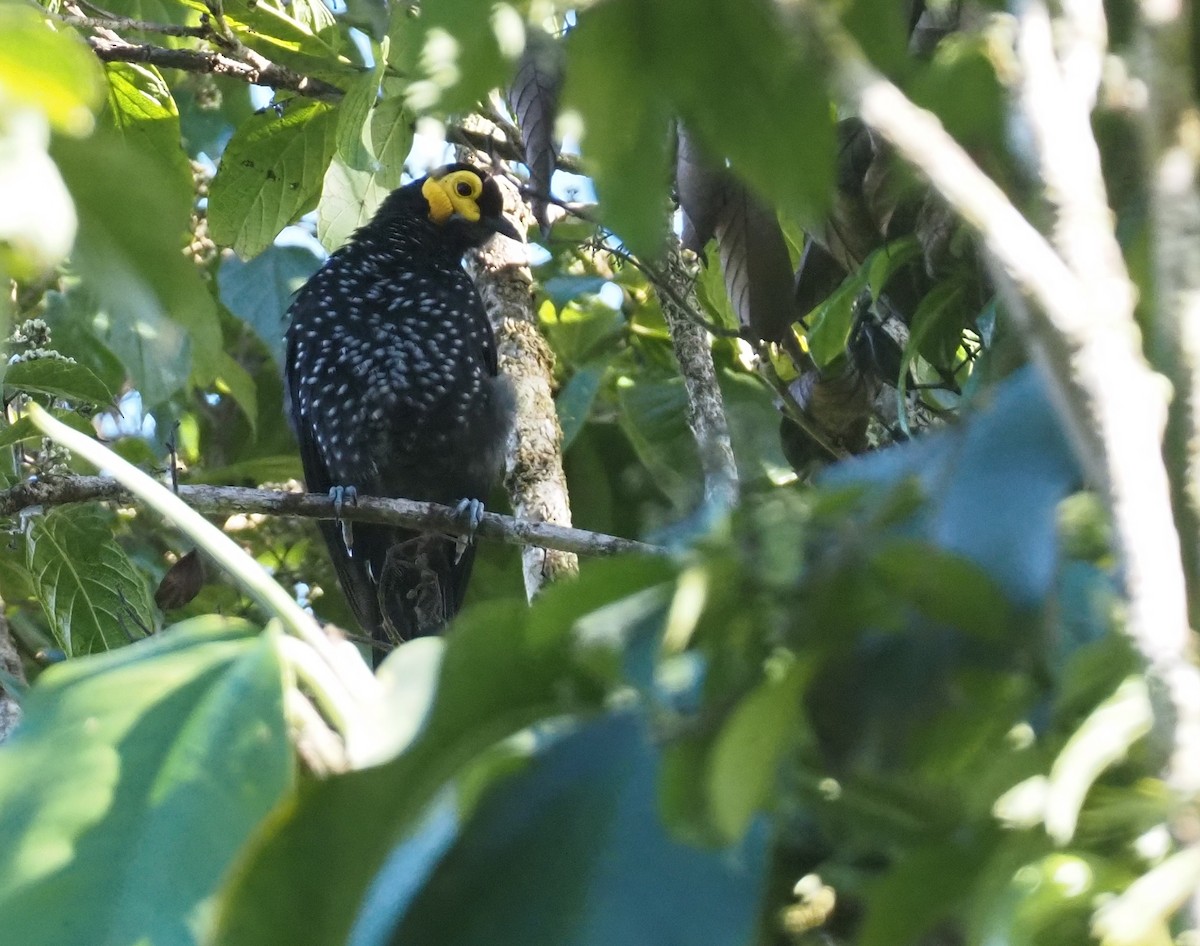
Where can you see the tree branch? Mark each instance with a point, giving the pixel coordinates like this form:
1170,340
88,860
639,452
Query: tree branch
226,500
706,407
272,75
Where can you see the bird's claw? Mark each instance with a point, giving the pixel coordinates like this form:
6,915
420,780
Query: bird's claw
470,511
343,496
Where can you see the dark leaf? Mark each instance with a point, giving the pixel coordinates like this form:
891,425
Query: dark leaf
701,186
259,290
533,97
181,583
754,259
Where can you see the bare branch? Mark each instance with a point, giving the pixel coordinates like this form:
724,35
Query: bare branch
227,500
272,75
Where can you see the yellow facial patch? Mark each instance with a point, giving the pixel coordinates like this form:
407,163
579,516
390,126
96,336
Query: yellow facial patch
455,193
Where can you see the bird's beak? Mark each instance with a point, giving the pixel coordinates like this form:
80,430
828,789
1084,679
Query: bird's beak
501,224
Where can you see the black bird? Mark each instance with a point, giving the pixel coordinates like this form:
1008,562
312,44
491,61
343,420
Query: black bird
393,391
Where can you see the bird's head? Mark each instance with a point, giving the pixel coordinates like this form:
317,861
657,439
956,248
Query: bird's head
468,202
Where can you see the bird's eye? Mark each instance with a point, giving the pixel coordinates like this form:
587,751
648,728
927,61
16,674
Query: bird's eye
463,188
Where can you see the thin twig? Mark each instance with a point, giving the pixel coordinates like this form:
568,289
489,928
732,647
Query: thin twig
228,500
120,23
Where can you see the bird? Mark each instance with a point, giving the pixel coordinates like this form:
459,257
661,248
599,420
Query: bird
393,390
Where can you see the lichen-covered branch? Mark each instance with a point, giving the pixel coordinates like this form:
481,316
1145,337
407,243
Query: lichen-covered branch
228,500
706,407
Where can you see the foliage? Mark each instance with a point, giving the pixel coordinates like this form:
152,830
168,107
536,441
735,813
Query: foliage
879,682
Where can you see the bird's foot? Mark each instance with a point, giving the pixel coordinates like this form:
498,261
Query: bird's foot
342,497
470,511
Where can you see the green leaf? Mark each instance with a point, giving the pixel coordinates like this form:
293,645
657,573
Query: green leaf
349,198
22,429
504,668
944,587
936,330
93,596
58,378
960,86
574,401
133,780
153,11
51,71
132,227
581,840
611,81
829,327
889,259
271,174
745,758
237,382
267,27
353,121
142,113
392,130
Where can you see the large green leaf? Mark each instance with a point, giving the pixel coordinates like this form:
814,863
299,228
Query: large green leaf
142,113
133,219
349,198
587,860
746,755
923,888
943,587
131,783
93,595
504,668
271,174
